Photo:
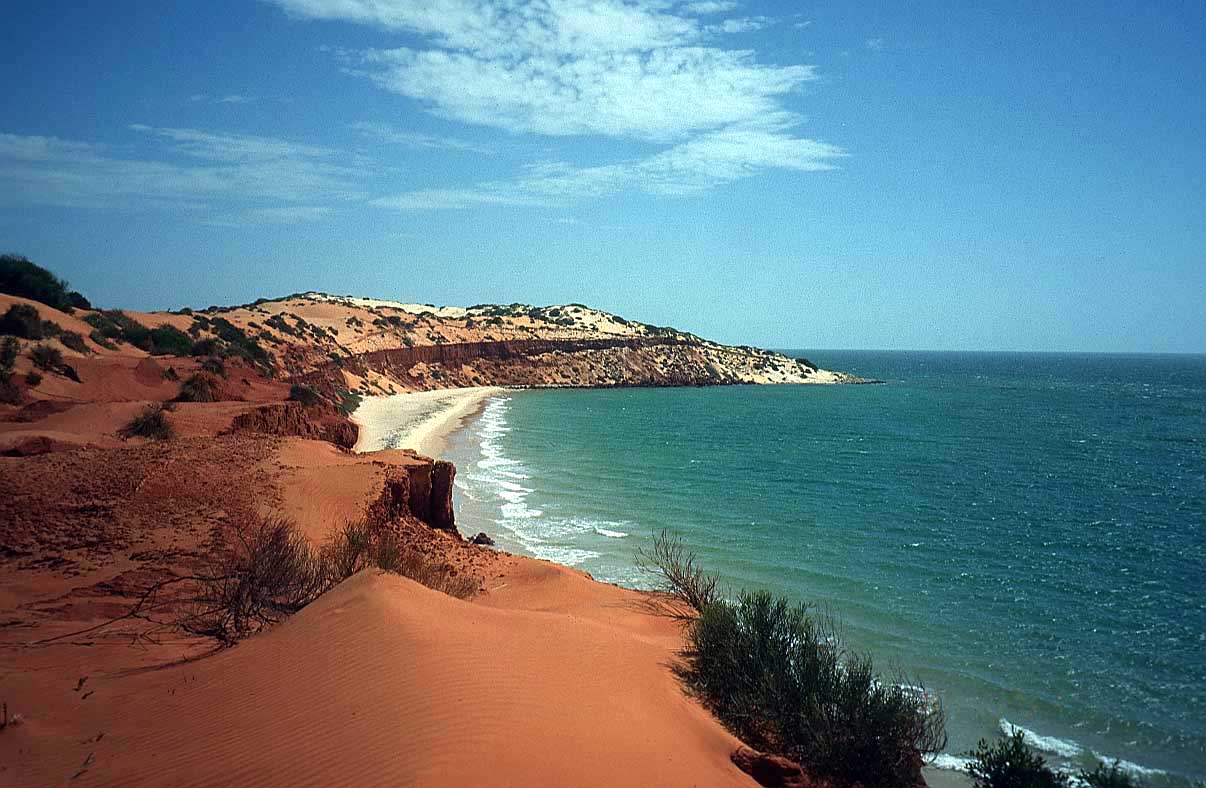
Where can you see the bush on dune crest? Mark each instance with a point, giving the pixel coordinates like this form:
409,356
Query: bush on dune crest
778,676
270,571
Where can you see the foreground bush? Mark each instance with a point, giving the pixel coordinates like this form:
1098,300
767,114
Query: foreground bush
779,678
151,423
1009,763
271,571
1108,777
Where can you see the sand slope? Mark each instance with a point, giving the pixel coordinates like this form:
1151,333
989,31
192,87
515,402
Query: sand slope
385,682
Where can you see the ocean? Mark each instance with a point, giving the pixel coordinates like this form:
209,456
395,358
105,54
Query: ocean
1024,534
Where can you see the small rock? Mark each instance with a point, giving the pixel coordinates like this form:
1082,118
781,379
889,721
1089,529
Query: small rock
481,538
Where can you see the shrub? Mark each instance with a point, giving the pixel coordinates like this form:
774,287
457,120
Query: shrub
197,388
689,588
22,320
10,392
304,394
1108,777
33,378
46,357
779,677
359,545
171,374
102,340
214,366
151,423
348,402
1009,763
74,341
169,341
205,347
78,301
115,324
10,348
20,277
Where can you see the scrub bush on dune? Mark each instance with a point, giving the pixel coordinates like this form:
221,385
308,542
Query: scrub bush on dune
777,675
151,423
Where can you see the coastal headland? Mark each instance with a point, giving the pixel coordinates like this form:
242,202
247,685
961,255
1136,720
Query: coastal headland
134,445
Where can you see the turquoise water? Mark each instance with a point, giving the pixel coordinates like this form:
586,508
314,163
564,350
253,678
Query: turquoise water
1023,533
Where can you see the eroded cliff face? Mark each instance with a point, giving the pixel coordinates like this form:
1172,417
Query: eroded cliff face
421,489
292,419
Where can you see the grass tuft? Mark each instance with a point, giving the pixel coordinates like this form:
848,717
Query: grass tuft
151,424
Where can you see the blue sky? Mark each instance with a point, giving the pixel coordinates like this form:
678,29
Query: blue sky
1023,176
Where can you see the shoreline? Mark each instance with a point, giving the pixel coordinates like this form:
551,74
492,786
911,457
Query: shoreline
418,420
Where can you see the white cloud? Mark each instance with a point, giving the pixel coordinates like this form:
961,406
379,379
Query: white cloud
629,69
875,44
231,98
196,169
709,7
383,132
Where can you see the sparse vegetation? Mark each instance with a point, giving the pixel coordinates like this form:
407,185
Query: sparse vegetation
1111,776
197,388
348,402
46,357
151,424
304,394
73,341
271,571
169,341
22,320
20,277
10,348
33,378
214,366
777,675
1009,763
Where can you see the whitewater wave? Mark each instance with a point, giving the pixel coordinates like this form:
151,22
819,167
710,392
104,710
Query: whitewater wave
601,531
1049,744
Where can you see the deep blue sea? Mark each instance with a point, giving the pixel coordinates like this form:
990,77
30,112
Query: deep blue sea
1024,534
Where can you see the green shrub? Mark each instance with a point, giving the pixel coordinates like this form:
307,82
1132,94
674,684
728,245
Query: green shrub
780,679
1009,763
170,341
214,366
20,277
10,348
74,341
197,388
348,402
151,423
205,347
22,320
171,374
1108,777
115,324
10,392
33,378
46,357
304,394
78,301
102,340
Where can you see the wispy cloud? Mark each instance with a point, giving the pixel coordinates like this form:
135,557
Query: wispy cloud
196,170
383,132
230,98
613,68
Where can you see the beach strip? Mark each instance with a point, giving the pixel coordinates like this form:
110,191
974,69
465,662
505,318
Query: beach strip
419,420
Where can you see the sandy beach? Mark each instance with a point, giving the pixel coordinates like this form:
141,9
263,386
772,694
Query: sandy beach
419,420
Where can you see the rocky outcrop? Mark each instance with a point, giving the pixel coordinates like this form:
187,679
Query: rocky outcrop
422,489
292,419
772,771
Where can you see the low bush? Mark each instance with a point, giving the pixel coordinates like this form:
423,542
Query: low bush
348,402
1111,776
304,394
46,357
197,388
73,341
214,366
102,340
22,320
688,589
151,423
10,392
33,378
205,347
171,374
778,676
115,324
10,348
1009,763
169,341
271,571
